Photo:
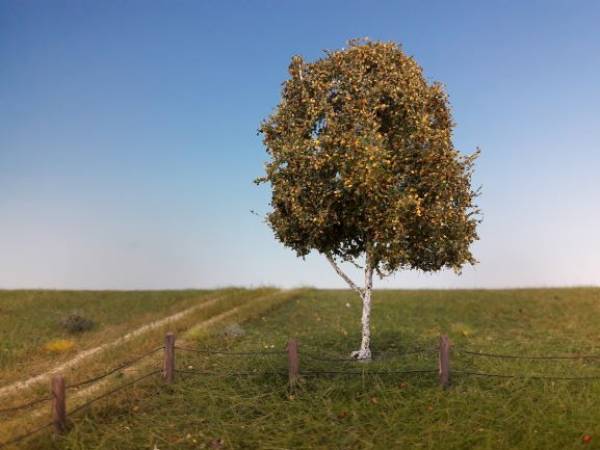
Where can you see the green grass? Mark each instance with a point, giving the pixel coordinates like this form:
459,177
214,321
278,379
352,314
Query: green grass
374,411
31,319
230,304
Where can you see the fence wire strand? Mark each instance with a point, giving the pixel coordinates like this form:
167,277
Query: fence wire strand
366,372
532,357
24,436
25,405
76,410
349,359
225,352
307,373
113,391
525,377
310,354
230,374
116,369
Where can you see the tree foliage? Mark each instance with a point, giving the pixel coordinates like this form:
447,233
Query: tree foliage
362,162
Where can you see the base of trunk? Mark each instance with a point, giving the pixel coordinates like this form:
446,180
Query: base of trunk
361,355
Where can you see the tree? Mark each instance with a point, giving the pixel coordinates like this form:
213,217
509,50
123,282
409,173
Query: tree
363,168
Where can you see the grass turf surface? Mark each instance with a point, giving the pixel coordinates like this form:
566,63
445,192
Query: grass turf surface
231,304
374,410
31,319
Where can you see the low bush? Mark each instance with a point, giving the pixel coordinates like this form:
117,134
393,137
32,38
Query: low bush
77,323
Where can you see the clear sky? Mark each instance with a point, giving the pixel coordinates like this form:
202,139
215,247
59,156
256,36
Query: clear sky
128,138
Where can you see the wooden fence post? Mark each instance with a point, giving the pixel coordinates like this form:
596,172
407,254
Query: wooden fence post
444,361
59,405
293,362
169,363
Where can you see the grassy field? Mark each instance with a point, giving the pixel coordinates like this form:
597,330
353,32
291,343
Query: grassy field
36,321
366,410
30,320
204,311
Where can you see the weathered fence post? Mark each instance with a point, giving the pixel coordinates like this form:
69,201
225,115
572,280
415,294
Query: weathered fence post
293,362
59,405
169,363
444,361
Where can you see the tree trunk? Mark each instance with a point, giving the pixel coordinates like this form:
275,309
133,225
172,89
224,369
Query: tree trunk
364,353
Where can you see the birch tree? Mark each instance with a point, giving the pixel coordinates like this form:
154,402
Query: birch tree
363,168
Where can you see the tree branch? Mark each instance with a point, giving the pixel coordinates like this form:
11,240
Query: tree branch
383,274
345,277
358,266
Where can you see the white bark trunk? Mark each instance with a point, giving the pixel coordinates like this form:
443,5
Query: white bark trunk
364,353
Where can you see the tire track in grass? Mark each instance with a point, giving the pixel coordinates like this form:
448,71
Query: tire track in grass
12,388
193,331
80,396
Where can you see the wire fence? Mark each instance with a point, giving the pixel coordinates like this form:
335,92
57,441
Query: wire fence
377,356
53,398
113,391
527,377
292,372
228,353
380,356
123,366
524,357
85,405
26,435
25,405
230,374
531,357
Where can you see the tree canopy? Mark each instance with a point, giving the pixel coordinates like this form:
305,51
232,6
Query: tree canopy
362,162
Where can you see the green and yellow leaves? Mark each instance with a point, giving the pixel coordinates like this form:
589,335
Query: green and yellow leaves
362,160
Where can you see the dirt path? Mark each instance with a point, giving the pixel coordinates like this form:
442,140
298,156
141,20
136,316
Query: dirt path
24,384
150,359
80,396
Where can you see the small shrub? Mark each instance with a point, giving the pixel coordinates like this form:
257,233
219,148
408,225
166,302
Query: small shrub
234,330
76,323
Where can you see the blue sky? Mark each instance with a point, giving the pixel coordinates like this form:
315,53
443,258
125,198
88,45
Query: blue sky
128,138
